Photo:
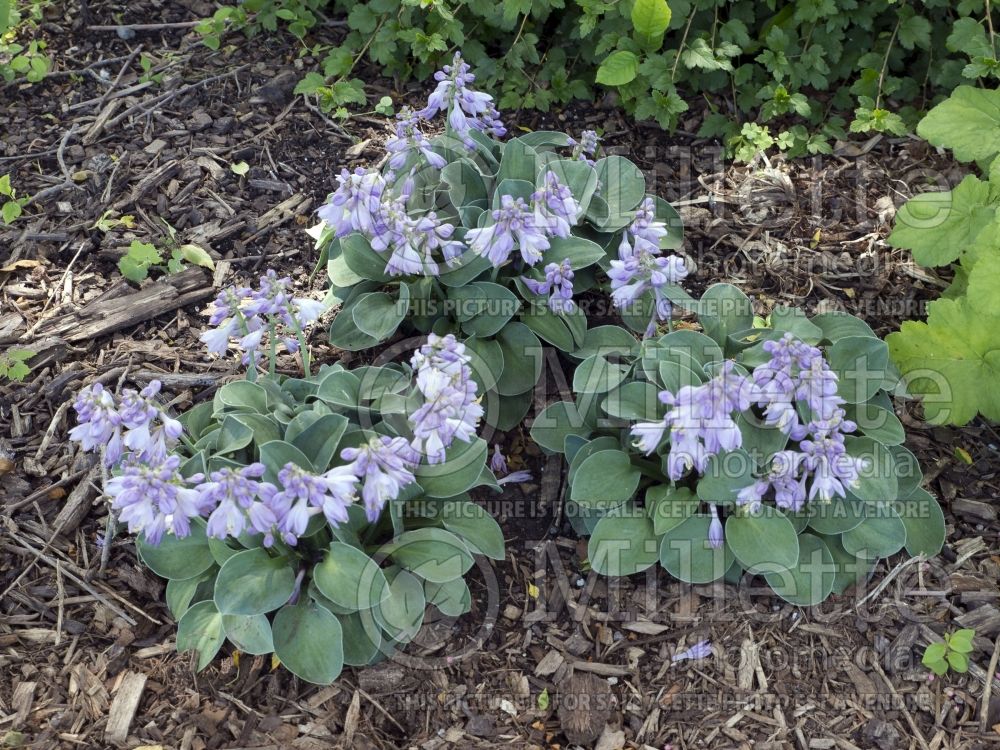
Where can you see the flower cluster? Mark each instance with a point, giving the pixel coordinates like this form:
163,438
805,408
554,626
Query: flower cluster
246,314
640,267
385,466
409,138
586,147
558,284
450,410
355,202
526,226
467,109
412,240
700,420
137,425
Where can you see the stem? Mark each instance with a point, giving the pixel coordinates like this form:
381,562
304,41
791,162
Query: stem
680,47
885,63
989,25
112,527
272,348
301,338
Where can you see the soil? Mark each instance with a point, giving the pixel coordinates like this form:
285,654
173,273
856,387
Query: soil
551,656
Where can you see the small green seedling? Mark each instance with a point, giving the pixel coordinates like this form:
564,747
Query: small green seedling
141,257
13,364
952,652
11,206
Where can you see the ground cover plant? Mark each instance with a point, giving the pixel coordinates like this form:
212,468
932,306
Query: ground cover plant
313,517
950,359
792,75
493,241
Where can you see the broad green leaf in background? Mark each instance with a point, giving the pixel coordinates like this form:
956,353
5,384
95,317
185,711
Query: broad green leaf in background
938,227
618,68
949,359
650,19
622,546
967,123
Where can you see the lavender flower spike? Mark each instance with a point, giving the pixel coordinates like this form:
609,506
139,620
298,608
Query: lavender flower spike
555,207
354,203
99,423
154,499
385,466
513,226
467,109
558,283
305,495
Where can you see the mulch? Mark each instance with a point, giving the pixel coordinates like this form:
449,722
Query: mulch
551,655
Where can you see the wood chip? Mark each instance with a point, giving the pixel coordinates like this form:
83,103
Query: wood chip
123,707
549,663
22,700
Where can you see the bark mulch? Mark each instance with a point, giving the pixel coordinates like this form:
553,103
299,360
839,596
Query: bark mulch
551,656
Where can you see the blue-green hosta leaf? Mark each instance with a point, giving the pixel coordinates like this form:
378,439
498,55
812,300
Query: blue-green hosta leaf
201,630
578,176
938,227
687,555
948,359
522,357
622,186
764,541
362,638
596,375
860,363
623,546
810,580
877,482
793,320
276,453
836,325
362,259
477,528
349,577
251,634
606,479
724,310
253,583
183,592
669,507
461,469
309,642
452,598
837,516
402,613
378,315
179,558
433,554
907,470
635,400
585,449
519,162
606,340
881,534
925,528
967,122
241,395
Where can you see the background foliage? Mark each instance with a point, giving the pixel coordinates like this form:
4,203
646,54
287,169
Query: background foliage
791,65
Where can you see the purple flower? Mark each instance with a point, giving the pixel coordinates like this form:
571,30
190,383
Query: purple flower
586,146
516,477
555,207
467,109
497,461
98,423
513,226
450,409
640,267
151,432
715,533
354,203
700,650
409,139
304,495
700,420
558,283
385,466
413,240
233,499
154,499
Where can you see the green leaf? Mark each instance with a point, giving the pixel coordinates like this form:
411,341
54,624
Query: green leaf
596,375
860,363
579,251
196,255
935,652
362,259
12,210
309,642
522,357
477,528
618,68
763,542
669,507
958,662
938,227
460,471
433,554
686,553
349,577
811,579
250,634
724,310
378,315
178,558
924,521
253,583
881,534
182,593
276,453
452,598
362,638
961,640
555,422
650,17
402,613
201,629
947,360
967,122
606,479
623,187
623,546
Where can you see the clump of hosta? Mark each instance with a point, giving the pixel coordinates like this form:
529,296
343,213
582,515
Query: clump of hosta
312,517
767,447
493,241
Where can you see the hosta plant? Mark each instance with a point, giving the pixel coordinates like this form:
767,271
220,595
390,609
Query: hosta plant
313,517
493,241
767,447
